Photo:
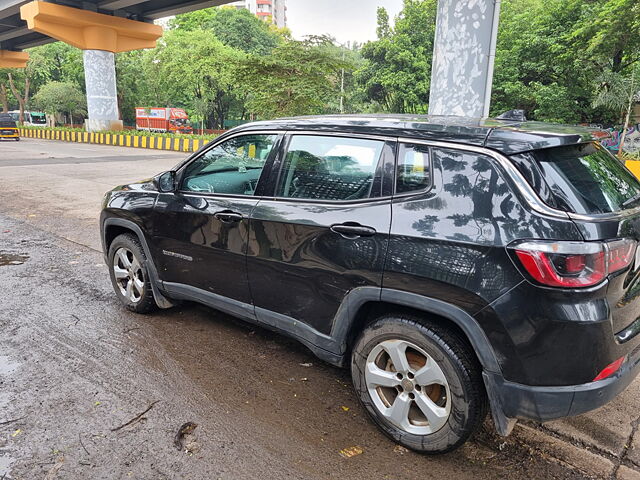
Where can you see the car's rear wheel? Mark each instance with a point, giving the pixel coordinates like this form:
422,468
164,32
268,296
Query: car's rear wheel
420,382
129,275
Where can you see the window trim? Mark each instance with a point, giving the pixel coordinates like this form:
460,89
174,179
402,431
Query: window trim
286,142
279,134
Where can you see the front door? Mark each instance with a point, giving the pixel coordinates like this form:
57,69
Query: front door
326,231
202,230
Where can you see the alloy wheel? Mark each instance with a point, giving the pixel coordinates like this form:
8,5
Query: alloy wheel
128,274
408,387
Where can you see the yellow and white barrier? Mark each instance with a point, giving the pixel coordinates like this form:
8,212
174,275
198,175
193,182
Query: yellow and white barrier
177,143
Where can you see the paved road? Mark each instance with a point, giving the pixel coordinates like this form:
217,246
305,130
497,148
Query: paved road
75,366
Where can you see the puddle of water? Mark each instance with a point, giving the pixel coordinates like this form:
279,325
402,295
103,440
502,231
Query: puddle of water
7,366
7,258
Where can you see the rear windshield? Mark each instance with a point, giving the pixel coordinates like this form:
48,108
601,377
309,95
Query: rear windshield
586,179
7,122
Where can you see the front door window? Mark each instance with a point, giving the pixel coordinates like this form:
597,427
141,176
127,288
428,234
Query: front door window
230,168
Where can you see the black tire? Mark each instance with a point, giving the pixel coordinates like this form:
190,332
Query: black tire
144,301
18,139
466,397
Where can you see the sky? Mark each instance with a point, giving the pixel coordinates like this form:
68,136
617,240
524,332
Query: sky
346,20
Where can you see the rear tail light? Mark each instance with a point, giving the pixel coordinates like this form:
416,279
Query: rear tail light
610,369
574,264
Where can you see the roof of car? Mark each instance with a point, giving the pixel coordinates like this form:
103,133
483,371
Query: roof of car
506,136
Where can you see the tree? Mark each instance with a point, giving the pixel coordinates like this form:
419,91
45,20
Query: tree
610,31
4,94
384,29
137,81
20,80
234,27
196,65
61,97
397,74
549,53
619,93
298,78
59,62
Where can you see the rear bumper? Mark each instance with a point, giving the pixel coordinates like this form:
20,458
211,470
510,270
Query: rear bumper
541,404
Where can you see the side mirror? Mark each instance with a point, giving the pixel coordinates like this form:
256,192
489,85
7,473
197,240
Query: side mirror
166,182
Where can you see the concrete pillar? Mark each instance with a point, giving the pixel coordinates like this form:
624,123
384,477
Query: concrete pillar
102,98
463,57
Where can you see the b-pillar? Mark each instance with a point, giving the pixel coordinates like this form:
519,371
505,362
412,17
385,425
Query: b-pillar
101,37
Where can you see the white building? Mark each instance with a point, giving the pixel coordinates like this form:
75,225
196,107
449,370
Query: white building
270,10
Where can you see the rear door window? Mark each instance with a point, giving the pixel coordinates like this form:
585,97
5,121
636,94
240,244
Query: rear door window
330,168
587,179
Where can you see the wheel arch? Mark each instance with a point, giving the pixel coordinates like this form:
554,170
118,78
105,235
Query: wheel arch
367,304
111,229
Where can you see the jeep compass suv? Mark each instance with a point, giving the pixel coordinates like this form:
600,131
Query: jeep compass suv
455,265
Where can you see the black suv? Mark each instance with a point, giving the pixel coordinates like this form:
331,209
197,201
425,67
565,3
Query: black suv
456,265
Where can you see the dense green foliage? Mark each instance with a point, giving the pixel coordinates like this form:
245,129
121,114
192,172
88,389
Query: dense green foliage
55,97
296,79
559,60
552,55
397,73
235,28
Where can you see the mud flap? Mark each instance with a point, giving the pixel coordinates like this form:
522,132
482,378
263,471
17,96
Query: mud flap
504,425
162,301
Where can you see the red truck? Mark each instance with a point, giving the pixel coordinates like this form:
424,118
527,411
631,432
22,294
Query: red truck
171,120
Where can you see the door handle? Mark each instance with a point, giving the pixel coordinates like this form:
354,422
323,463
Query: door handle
353,230
228,216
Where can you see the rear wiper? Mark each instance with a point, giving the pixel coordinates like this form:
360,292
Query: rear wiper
633,199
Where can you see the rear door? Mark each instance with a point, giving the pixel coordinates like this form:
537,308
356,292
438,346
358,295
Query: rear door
202,230
326,231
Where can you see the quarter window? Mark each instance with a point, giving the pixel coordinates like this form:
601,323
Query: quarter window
232,167
414,169
329,168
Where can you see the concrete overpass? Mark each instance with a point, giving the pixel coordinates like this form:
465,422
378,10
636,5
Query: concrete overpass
15,35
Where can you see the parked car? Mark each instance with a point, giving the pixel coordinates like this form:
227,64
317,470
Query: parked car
455,265
8,128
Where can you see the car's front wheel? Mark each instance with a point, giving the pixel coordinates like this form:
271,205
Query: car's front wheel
420,382
129,275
